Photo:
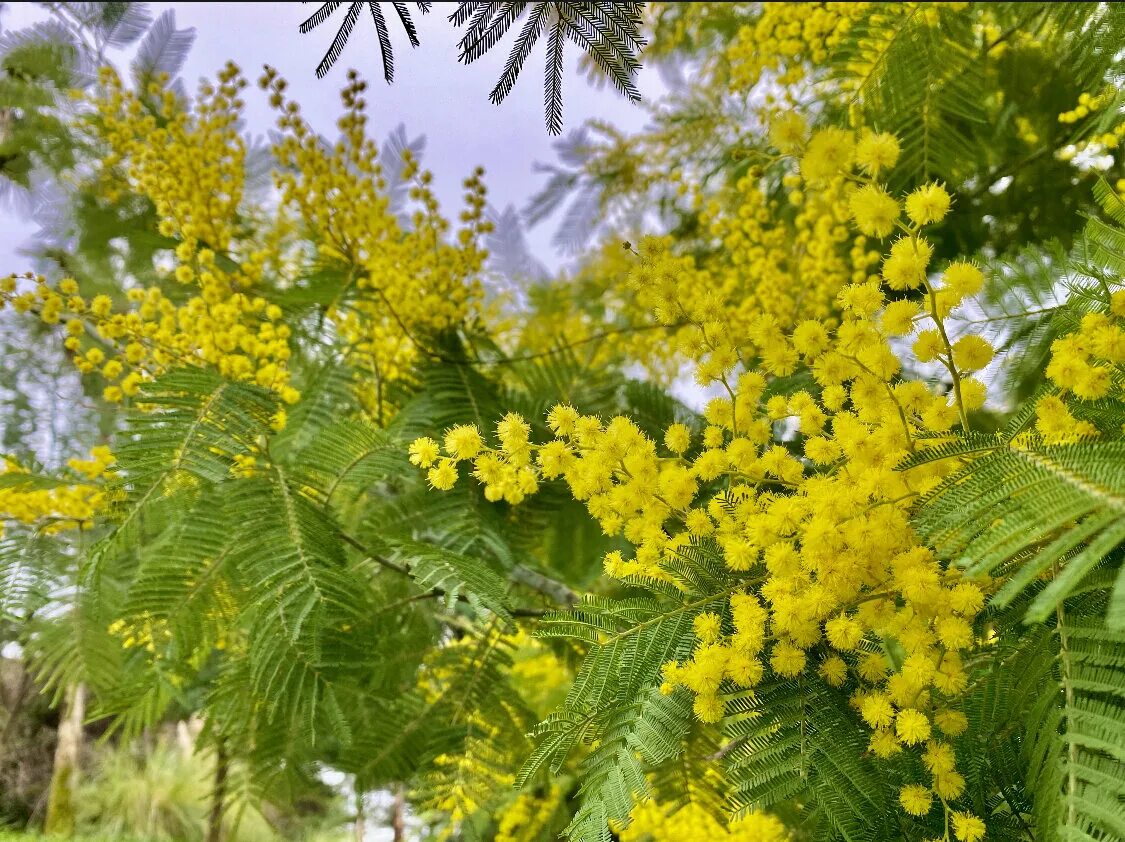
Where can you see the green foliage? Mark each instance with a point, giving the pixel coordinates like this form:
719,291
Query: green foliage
615,704
305,593
1055,509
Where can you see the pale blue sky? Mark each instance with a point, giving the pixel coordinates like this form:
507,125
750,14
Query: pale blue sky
433,95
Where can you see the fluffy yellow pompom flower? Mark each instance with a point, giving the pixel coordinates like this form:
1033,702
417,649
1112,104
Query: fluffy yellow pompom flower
928,204
810,338
883,744
708,708
898,317
965,278
915,799
833,670
463,442
562,419
955,633
787,131
912,726
949,785
444,475
972,352
877,711
967,827
708,626
843,632
424,452
939,758
928,346
952,722
877,151
829,151
905,266
787,660
677,438
874,210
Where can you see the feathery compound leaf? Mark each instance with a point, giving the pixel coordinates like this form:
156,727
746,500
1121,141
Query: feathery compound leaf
290,559
791,736
1075,756
450,574
552,81
194,425
1045,508
163,50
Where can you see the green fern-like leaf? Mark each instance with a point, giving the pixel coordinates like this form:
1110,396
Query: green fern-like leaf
1045,507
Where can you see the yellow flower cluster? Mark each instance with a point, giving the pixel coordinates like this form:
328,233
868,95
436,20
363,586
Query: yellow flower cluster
141,632
526,818
54,508
768,268
1086,364
220,322
1088,104
1099,143
652,822
467,778
403,282
787,37
801,494
797,267
789,42
242,336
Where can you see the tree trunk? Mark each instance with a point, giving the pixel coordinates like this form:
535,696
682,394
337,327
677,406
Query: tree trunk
218,795
398,817
64,777
360,816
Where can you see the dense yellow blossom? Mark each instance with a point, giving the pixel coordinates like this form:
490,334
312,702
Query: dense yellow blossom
761,263
916,800
403,282
1085,364
652,822
55,507
839,564
221,321
409,281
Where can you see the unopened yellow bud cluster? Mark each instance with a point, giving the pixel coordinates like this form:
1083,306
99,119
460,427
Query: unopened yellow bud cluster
189,162
59,507
410,280
1095,142
142,632
692,823
800,493
240,335
787,37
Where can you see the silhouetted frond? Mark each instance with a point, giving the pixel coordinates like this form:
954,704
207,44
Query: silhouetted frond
609,33
351,15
